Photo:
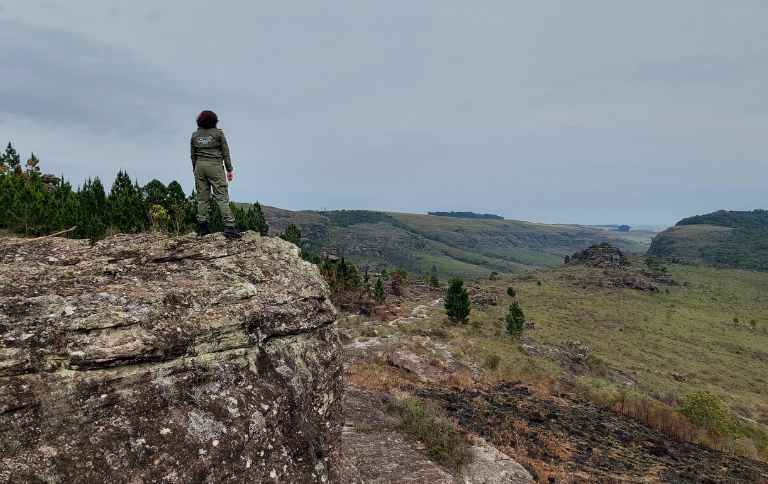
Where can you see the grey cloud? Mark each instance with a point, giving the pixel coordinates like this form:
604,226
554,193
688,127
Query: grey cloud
51,77
540,111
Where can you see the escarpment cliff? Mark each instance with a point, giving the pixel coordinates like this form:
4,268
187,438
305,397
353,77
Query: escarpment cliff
149,359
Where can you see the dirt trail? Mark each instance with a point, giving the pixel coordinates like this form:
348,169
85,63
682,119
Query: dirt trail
419,312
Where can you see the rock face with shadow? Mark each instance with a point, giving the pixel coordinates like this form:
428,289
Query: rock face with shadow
146,359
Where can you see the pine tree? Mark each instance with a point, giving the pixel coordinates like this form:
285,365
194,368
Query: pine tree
155,193
175,193
434,281
11,158
69,204
92,216
179,208
378,292
259,222
32,163
9,185
242,223
190,219
29,209
457,305
292,234
215,222
515,319
20,209
127,212
366,283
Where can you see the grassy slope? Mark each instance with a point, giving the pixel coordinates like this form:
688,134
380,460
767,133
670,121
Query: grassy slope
726,239
644,336
465,247
687,241
649,337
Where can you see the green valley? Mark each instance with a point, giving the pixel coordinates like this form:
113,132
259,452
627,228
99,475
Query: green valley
468,247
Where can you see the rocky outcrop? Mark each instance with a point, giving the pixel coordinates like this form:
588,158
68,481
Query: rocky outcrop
603,256
145,359
50,182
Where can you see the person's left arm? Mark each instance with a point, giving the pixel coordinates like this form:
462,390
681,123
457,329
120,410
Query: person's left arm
225,153
192,153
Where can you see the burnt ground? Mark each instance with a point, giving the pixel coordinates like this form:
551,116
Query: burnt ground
599,445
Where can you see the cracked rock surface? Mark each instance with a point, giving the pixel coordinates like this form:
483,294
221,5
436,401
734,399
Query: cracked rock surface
149,359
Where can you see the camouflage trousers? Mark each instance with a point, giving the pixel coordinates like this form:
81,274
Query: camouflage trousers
210,176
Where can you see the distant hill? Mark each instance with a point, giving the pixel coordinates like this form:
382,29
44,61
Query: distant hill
467,215
468,247
736,240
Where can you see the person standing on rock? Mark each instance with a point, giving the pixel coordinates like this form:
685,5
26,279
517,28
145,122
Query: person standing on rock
208,150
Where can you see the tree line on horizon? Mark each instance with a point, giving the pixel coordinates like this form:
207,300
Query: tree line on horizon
30,208
467,215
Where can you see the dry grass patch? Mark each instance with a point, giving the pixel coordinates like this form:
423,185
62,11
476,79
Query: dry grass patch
375,377
445,443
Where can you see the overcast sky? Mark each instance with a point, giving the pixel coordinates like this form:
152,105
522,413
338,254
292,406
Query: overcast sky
594,112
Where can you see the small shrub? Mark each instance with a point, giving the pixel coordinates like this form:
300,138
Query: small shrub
704,410
400,272
492,361
398,276
511,291
538,283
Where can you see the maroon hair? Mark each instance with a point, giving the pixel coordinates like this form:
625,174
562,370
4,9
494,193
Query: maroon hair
207,120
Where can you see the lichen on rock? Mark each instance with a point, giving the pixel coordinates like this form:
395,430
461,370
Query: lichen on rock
149,359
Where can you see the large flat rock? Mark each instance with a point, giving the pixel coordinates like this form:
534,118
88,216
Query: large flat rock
144,359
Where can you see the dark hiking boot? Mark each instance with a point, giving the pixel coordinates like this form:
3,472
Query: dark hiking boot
204,230
231,233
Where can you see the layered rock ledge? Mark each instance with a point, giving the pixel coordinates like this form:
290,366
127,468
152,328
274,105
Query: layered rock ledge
144,359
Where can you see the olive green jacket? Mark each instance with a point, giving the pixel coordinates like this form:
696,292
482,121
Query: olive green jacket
210,145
